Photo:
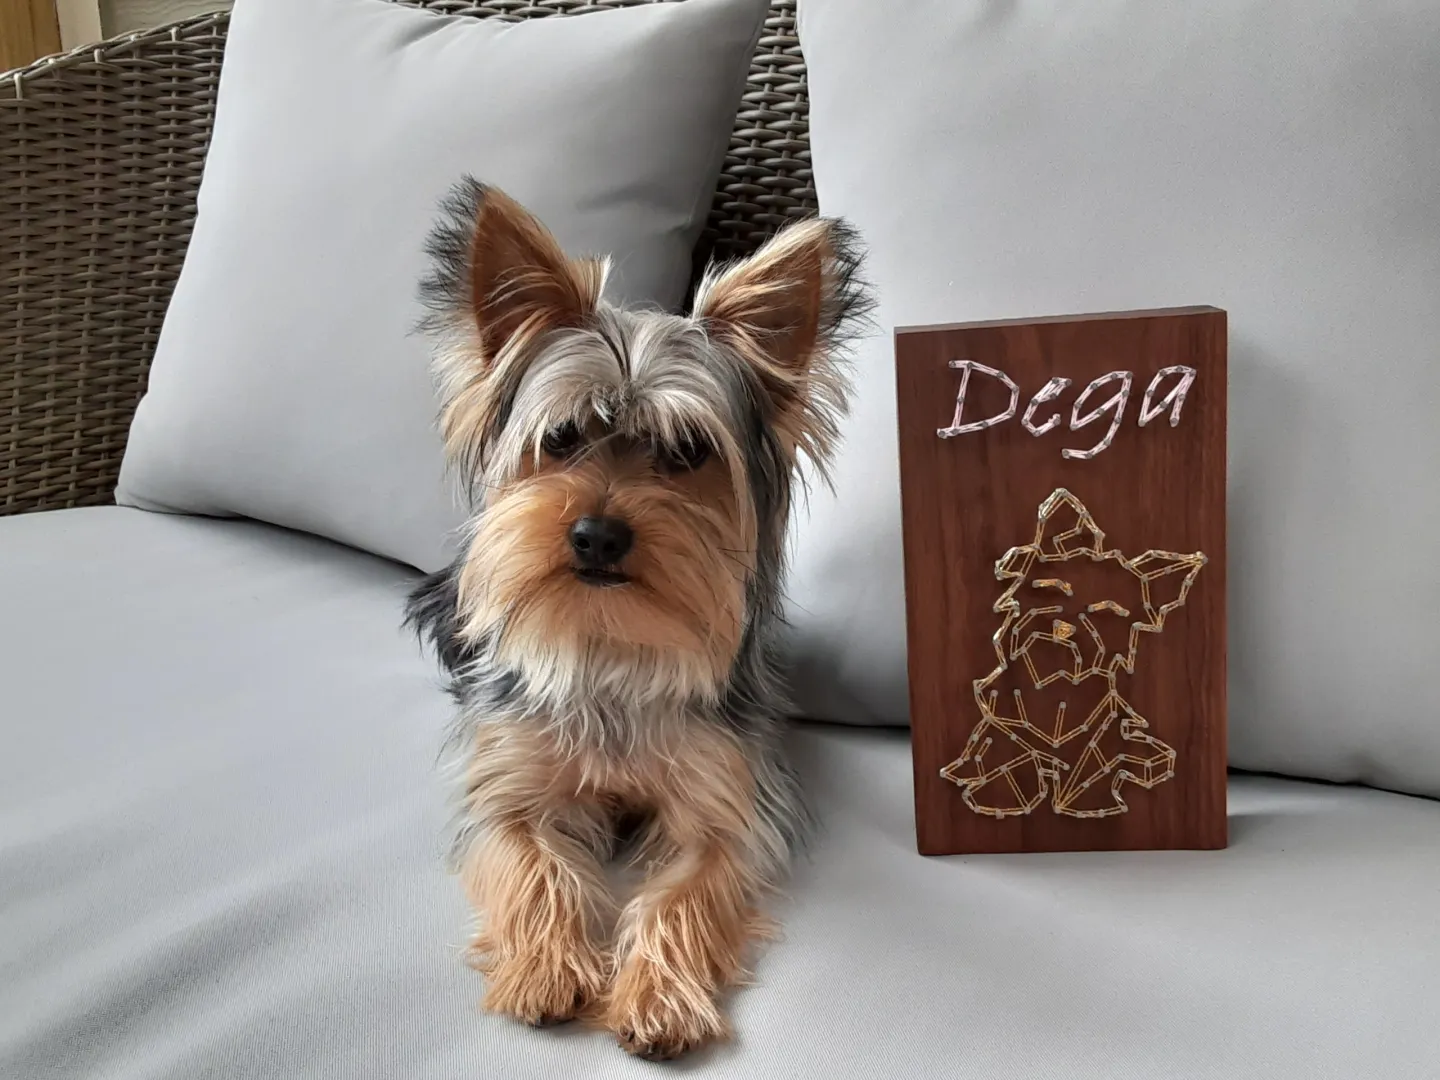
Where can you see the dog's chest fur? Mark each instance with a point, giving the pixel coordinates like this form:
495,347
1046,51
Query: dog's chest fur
609,735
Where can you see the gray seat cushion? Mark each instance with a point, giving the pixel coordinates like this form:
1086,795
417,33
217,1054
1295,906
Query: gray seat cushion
221,830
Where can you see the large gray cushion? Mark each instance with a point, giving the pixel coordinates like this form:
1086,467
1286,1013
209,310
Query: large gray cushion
288,384
221,829
1278,159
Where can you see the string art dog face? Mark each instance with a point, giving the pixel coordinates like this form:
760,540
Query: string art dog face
1055,723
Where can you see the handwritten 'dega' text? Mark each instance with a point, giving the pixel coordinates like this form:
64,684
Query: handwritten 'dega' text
1175,381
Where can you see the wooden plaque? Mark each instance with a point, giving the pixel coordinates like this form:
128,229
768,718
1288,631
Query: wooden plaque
1063,495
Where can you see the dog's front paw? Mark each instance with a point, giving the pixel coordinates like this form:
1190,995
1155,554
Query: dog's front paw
546,987
658,1017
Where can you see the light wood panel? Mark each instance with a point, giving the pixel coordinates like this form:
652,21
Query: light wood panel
28,31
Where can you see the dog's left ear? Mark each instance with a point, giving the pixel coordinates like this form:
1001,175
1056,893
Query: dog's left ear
790,311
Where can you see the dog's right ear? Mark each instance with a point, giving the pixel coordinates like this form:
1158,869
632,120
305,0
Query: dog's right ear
499,283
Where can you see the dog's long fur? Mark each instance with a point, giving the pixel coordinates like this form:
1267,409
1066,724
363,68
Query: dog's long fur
581,706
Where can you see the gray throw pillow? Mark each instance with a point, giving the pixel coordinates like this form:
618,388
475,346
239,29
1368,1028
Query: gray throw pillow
1278,158
288,384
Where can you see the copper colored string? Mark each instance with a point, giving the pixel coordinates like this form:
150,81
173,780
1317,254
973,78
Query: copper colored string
1011,764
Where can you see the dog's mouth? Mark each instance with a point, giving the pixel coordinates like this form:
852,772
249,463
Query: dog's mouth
601,577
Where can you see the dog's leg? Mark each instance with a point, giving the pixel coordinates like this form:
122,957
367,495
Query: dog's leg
534,877
684,935
539,893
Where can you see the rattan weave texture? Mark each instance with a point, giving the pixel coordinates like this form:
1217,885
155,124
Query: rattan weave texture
101,152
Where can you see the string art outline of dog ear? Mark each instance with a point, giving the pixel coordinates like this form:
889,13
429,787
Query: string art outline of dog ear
1053,721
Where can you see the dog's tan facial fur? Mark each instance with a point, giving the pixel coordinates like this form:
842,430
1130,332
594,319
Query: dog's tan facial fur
685,597
637,679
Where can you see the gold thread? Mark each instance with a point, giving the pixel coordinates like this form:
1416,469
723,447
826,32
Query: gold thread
1035,765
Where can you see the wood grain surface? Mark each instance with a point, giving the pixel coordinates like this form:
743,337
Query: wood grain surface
969,499
29,30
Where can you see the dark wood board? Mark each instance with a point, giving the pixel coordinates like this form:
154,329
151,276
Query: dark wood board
1023,621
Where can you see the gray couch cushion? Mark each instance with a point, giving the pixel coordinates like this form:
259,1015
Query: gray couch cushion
289,385
220,846
1275,157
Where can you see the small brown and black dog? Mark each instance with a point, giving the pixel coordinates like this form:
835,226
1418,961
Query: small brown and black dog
611,626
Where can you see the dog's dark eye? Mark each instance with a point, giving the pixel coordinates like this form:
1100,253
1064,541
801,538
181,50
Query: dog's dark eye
561,441
684,456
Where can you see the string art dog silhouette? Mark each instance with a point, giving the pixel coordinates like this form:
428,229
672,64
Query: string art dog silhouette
1054,723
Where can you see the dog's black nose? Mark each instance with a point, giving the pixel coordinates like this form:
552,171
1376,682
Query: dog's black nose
600,541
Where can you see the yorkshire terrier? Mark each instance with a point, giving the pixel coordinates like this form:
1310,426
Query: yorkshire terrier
610,628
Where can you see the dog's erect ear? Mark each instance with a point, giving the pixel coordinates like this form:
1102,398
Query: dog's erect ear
499,283
497,265
790,310
521,283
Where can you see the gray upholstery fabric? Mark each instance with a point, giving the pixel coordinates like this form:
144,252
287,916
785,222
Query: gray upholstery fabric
289,385
1273,157
220,841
